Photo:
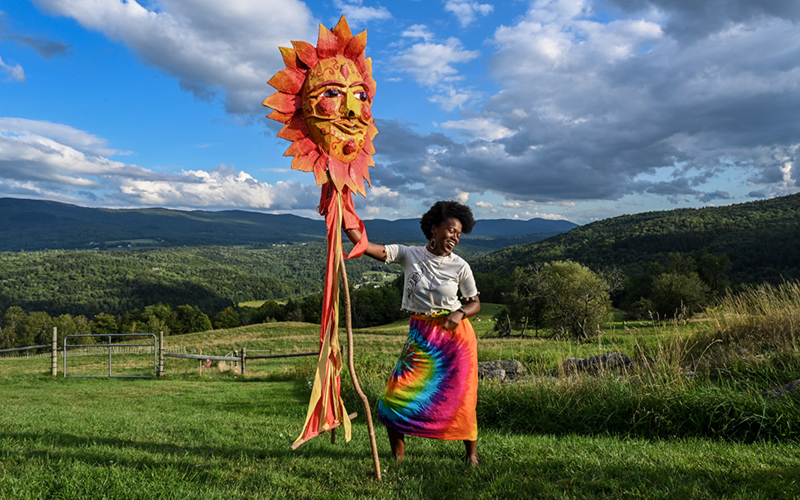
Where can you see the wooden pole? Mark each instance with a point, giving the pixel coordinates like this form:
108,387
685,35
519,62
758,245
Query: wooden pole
160,353
54,353
351,366
244,360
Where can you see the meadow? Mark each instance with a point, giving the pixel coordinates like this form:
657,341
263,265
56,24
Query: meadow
691,420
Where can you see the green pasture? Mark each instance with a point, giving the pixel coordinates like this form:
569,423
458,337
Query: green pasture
221,435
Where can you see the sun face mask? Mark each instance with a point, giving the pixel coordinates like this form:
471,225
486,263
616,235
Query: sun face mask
324,98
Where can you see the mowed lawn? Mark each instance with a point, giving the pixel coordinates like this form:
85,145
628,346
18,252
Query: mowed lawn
227,436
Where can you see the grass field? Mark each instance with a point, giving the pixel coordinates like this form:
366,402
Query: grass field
224,436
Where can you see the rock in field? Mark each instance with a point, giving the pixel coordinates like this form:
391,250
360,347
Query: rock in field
502,369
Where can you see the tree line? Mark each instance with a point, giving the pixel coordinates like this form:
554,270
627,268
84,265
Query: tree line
19,328
574,301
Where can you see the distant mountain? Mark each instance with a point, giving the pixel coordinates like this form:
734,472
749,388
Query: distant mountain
759,237
36,225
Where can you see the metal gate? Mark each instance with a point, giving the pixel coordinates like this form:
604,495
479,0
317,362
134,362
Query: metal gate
111,347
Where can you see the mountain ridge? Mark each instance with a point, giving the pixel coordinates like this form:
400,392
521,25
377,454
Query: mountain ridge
32,225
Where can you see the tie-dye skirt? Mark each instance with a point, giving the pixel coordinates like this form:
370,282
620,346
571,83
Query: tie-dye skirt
433,390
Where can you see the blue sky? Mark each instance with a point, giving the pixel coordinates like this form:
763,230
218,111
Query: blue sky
568,109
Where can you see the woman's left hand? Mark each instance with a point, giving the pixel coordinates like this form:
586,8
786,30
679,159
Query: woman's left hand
452,320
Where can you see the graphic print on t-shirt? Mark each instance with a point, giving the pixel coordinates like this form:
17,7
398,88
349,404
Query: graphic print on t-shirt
411,283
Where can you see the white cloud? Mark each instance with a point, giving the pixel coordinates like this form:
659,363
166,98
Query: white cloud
480,128
13,73
63,134
431,63
208,45
358,14
44,159
418,31
466,11
484,204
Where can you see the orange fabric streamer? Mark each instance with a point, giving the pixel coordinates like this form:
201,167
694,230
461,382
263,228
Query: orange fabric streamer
326,408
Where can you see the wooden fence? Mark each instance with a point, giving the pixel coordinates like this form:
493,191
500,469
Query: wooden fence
237,356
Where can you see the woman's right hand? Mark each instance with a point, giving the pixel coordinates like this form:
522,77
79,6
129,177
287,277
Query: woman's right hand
377,252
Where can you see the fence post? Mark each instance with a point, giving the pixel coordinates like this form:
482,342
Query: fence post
54,353
160,353
244,357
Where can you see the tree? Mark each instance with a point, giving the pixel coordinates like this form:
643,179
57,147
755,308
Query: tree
578,299
675,294
11,325
103,324
227,318
527,299
159,318
189,319
39,328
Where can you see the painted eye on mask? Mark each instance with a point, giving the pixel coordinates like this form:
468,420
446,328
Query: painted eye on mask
362,96
332,93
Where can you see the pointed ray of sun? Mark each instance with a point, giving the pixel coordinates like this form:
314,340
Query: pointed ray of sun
294,105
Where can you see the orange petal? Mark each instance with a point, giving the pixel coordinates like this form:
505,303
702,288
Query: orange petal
327,43
294,130
358,169
289,57
368,147
280,117
307,53
371,86
342,32
305,163
321,170
288,80
338,172
301,148
355,48
284,103
372,130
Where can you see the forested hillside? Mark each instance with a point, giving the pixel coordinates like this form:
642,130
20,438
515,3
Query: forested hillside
114,282
760,238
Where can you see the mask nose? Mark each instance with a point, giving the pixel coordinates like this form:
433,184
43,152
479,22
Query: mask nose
351,106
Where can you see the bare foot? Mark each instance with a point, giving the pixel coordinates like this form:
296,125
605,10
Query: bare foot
472,460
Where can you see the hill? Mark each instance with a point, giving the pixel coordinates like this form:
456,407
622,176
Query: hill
759,238
32,225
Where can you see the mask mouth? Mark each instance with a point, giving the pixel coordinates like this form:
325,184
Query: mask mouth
349,126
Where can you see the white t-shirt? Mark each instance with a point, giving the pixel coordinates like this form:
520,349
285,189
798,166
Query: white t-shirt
432,282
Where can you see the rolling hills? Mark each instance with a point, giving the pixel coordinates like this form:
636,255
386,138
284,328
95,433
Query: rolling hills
759,237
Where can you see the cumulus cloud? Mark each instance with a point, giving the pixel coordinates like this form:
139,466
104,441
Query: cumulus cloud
467,11
47,160
418,31
358,14
482,128
213,48
431,63
13,73
591,109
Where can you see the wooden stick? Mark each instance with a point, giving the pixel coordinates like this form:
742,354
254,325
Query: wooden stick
350,365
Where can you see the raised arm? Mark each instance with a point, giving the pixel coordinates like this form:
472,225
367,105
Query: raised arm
377,252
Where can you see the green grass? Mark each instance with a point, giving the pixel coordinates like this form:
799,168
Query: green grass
226,436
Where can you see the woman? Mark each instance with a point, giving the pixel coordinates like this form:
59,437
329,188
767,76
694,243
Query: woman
433,389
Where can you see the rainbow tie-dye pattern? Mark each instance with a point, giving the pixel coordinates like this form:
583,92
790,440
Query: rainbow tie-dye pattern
433,389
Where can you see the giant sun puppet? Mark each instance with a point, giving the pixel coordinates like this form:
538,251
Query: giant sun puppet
323,97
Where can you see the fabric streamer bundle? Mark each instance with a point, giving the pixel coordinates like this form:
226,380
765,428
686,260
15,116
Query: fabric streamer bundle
323,99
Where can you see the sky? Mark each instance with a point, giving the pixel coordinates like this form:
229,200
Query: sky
561,109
